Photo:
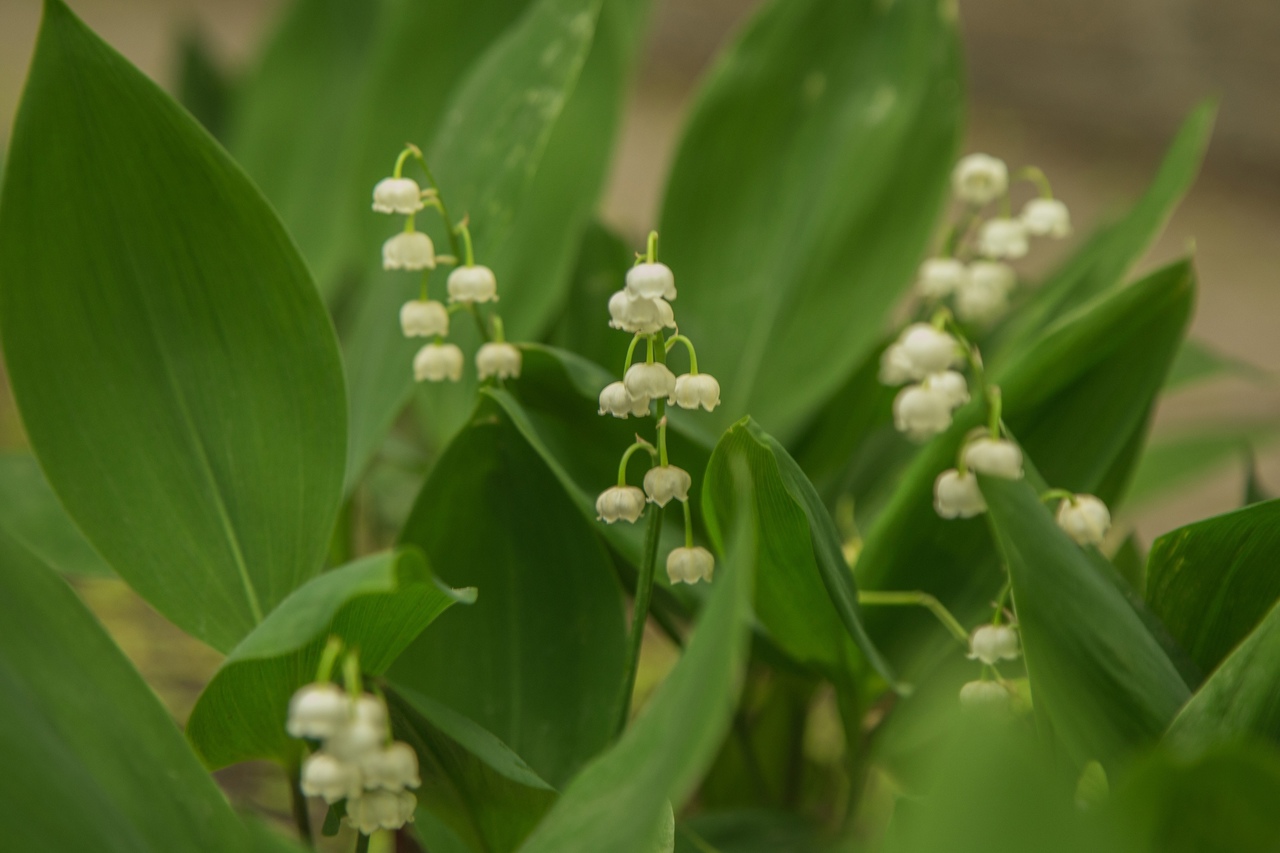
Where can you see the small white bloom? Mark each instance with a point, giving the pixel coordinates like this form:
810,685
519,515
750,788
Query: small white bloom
993,274
324,775
397,195
664,482
979,178
438,362
957,495
1046,217
393,768
982,300
695,389
318,711
1086,519
928,350
409,250
951,385
616,400
921,412
984,694
651,281
473,284
994,457
690,565
423,319
376,810
620,502
498,359
649,381
896,366
992,643
638,314
1003,238
940,277
356,741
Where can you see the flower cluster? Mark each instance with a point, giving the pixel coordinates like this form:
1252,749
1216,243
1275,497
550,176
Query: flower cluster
468,286
990,644
643,307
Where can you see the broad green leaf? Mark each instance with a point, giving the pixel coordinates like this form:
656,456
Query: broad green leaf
1175,461
92,760
203,86
31,515
601,266
749,832
377,605
472,782
805,594
1212,581
1098,677
1197,362
176,372
804,191
538,659
617,799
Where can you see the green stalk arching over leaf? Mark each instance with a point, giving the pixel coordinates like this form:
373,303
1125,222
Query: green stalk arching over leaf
195,423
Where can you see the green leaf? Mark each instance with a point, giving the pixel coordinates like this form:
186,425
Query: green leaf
377,604
31,516
1197,362
176,372
749,832
203,86
1098,676
804,191
1174,461
617,799
805,594
538,660
602,263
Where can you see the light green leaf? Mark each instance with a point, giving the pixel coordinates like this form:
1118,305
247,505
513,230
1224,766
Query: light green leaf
31,515
1198,361
1174,461
804,191
176,372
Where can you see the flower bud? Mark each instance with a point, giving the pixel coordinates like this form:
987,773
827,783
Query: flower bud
664,482
985,694
1086,519
620,502
640,315
1003,238
473,284
424,319
957,495
317,711
616,400
409,250
696,389
649,381
921,412
498,359
690,565
994,457
992,643
324,775
397,195
438,362
951,385
1046,217
356,741
393,768
896,366
940,277
984,297
376,810
979,179
928,350
651,281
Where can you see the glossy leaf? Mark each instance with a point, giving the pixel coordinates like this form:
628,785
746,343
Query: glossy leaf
803,194
32,517
195,431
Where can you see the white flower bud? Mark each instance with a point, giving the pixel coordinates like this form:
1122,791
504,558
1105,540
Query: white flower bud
1046,217
928,350
981,301
664,482
896,366
993,274
424,319
940,277
994,457
324,775
957,495
397,195
992,643
317,711
498,359
641,315
473,284
695,389
979,178
376,810
409,250
620,502
616,400
921,412
1003,238
393,768
438,362
951,385
356,741
1086,519
985,694
651,281
649,381
690,565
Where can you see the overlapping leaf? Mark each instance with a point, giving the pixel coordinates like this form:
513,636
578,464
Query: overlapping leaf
31,515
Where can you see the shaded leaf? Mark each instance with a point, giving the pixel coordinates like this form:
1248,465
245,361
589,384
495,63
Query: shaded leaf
203,85
31,515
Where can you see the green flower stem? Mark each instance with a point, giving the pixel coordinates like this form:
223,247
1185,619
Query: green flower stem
688,525
1058,495
998,616
408,223
422,290
688,344
439,198
480,327
1037,177
995,403
351,674
298,802
640,615
362,843
324,672
404,155
640,444
465,230
662,434
917,599
651,253
631,351
648,356
499,333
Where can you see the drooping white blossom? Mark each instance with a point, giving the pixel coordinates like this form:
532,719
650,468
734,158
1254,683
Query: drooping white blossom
921,412
995,457
318,711
498,359
616,400
951,385
651,281
327,776
376,810
620,502
640,315
925,349
1046,217
397,195
957,495
985,694
393,767
984,296
361,737
1003,238
896,366
409,250
472,284
1086,519
695,389
421,318
437,362
979,178
649,381
663,483
993,643
690,565
940,277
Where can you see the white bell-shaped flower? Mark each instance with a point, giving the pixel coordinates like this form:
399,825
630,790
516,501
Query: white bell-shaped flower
957,495
365,734
950,384
395,767
397,195
690,565
651,281
695,389
940,277
1086,519
380,809
498,359
985,694
318,711
896,366
422,318
649,381
921,412
324,775
620,502
473,284
640,315
409,250
993,643
994,457
928,350
1003,238
662,483
616,400
1046,217
438,362
979,178
984,296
